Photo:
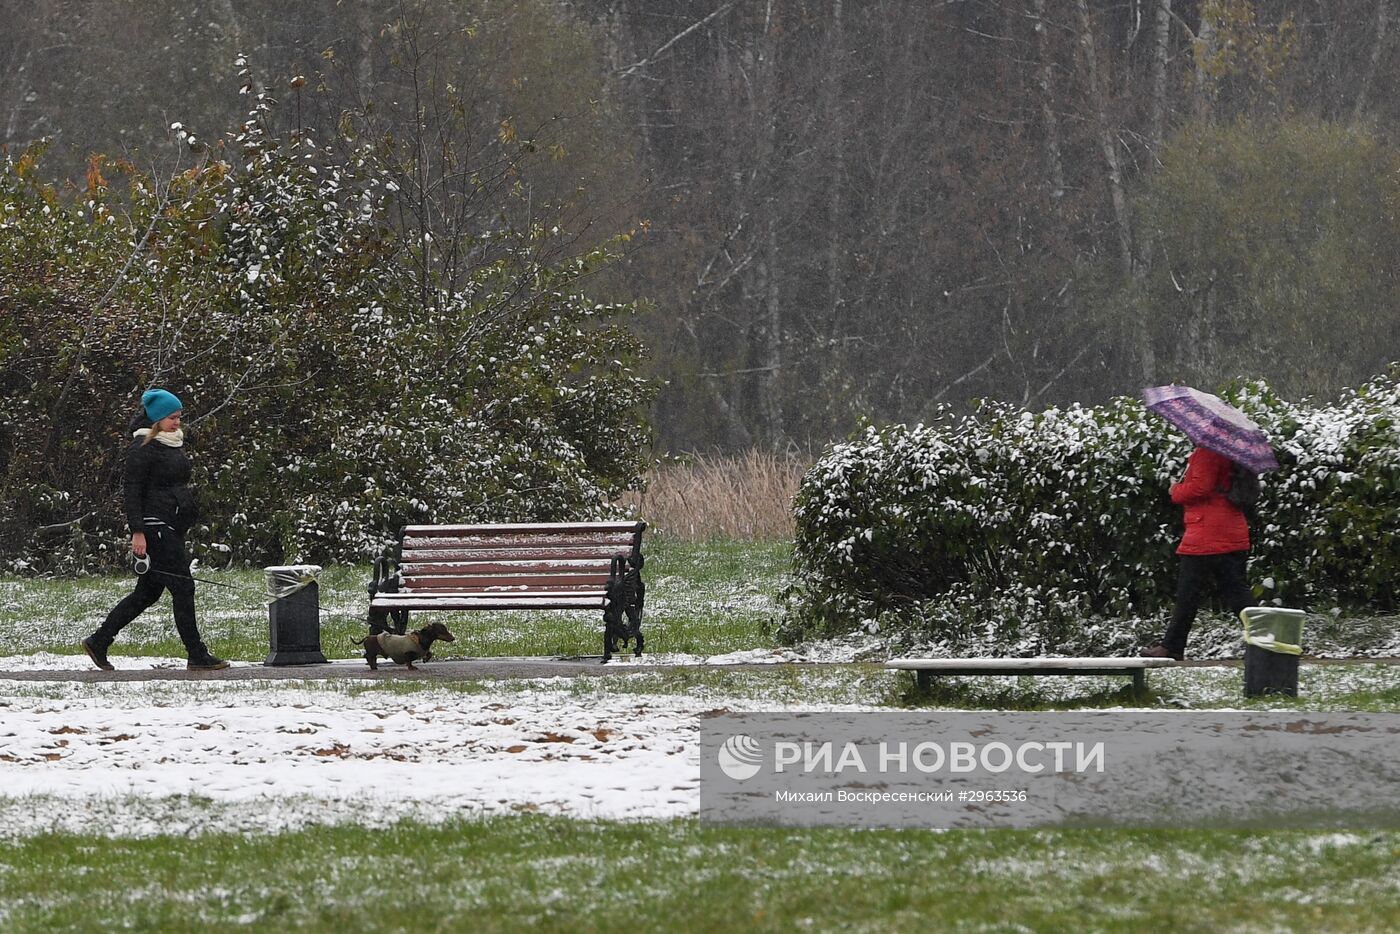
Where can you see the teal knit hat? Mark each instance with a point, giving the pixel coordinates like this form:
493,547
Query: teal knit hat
160,404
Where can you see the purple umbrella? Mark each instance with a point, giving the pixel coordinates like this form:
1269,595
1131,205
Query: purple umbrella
1212,423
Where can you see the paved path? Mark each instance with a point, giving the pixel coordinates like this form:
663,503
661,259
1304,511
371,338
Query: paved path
466,669
476,669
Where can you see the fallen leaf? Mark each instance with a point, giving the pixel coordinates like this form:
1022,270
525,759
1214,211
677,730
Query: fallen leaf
555,738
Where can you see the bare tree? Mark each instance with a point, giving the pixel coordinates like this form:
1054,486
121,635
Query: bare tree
1377,48
1054,161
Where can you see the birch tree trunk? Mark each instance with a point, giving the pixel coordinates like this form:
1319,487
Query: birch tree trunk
1054,161
770,330
834,112
1382,26
1156,131
1206,48
1161,42
1108,144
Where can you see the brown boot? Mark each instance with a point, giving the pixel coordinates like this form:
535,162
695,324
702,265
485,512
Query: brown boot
1161,651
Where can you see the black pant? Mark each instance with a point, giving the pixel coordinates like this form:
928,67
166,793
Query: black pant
170,570
1195,572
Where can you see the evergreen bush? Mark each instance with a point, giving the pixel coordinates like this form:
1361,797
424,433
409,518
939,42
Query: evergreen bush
1017,532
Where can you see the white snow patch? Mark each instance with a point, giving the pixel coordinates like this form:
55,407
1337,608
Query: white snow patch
1333,841
134,759
52,661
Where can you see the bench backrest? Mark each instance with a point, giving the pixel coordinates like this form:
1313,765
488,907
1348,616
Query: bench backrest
560,557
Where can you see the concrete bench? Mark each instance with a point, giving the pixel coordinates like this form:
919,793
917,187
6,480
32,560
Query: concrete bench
925,668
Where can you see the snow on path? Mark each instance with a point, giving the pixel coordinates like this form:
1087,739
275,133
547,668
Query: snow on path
385,755
134,759
833,652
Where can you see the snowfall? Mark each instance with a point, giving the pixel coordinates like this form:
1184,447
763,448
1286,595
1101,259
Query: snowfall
140,758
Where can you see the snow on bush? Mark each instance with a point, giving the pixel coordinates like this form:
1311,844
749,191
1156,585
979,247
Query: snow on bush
341,378
1022,533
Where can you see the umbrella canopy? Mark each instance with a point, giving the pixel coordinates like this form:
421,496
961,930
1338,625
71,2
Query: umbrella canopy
1212,423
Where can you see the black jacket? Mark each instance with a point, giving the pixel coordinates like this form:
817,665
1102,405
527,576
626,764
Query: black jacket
157,487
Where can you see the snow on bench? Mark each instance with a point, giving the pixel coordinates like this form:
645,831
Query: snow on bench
925,668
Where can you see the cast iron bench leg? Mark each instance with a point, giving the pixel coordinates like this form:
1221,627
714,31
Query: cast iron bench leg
1140,682
925,679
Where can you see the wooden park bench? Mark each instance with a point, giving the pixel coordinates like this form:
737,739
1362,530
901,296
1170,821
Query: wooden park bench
529,566
925,668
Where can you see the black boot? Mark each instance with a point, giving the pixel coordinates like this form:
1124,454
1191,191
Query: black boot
97,653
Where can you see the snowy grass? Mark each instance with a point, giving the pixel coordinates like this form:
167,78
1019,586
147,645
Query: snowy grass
704,599
540,873
1362,687
569,804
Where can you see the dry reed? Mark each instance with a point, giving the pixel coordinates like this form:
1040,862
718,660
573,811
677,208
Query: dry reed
707,497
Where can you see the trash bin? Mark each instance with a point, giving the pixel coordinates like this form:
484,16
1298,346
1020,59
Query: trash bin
294,615
1273,640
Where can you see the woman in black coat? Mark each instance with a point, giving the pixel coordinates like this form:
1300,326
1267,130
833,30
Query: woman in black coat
160,509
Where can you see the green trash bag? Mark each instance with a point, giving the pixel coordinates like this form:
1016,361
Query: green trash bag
1273,628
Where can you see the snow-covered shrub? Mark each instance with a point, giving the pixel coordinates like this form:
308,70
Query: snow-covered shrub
1011,530
337,383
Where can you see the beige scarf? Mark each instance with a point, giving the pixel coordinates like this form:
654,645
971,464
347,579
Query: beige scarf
171,439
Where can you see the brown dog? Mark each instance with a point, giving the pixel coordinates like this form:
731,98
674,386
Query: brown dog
404,649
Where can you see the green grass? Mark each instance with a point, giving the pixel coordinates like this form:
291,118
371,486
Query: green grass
510,874
701,599
556,874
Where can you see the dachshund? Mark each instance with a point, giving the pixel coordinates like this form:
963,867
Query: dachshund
404,649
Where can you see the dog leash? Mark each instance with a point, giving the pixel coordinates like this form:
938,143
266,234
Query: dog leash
262,593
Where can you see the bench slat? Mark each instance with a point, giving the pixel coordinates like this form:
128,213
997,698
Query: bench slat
533,601
535,567
507,587
616,542
521,552
526,528
596,582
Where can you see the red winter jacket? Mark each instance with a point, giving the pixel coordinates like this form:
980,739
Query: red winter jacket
1214,525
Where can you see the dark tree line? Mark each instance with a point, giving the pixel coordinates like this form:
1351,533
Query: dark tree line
851,210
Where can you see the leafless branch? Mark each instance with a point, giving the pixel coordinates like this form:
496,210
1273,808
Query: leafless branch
76,366
637,66
968,375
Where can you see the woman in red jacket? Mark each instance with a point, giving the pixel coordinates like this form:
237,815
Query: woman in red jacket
1216,545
